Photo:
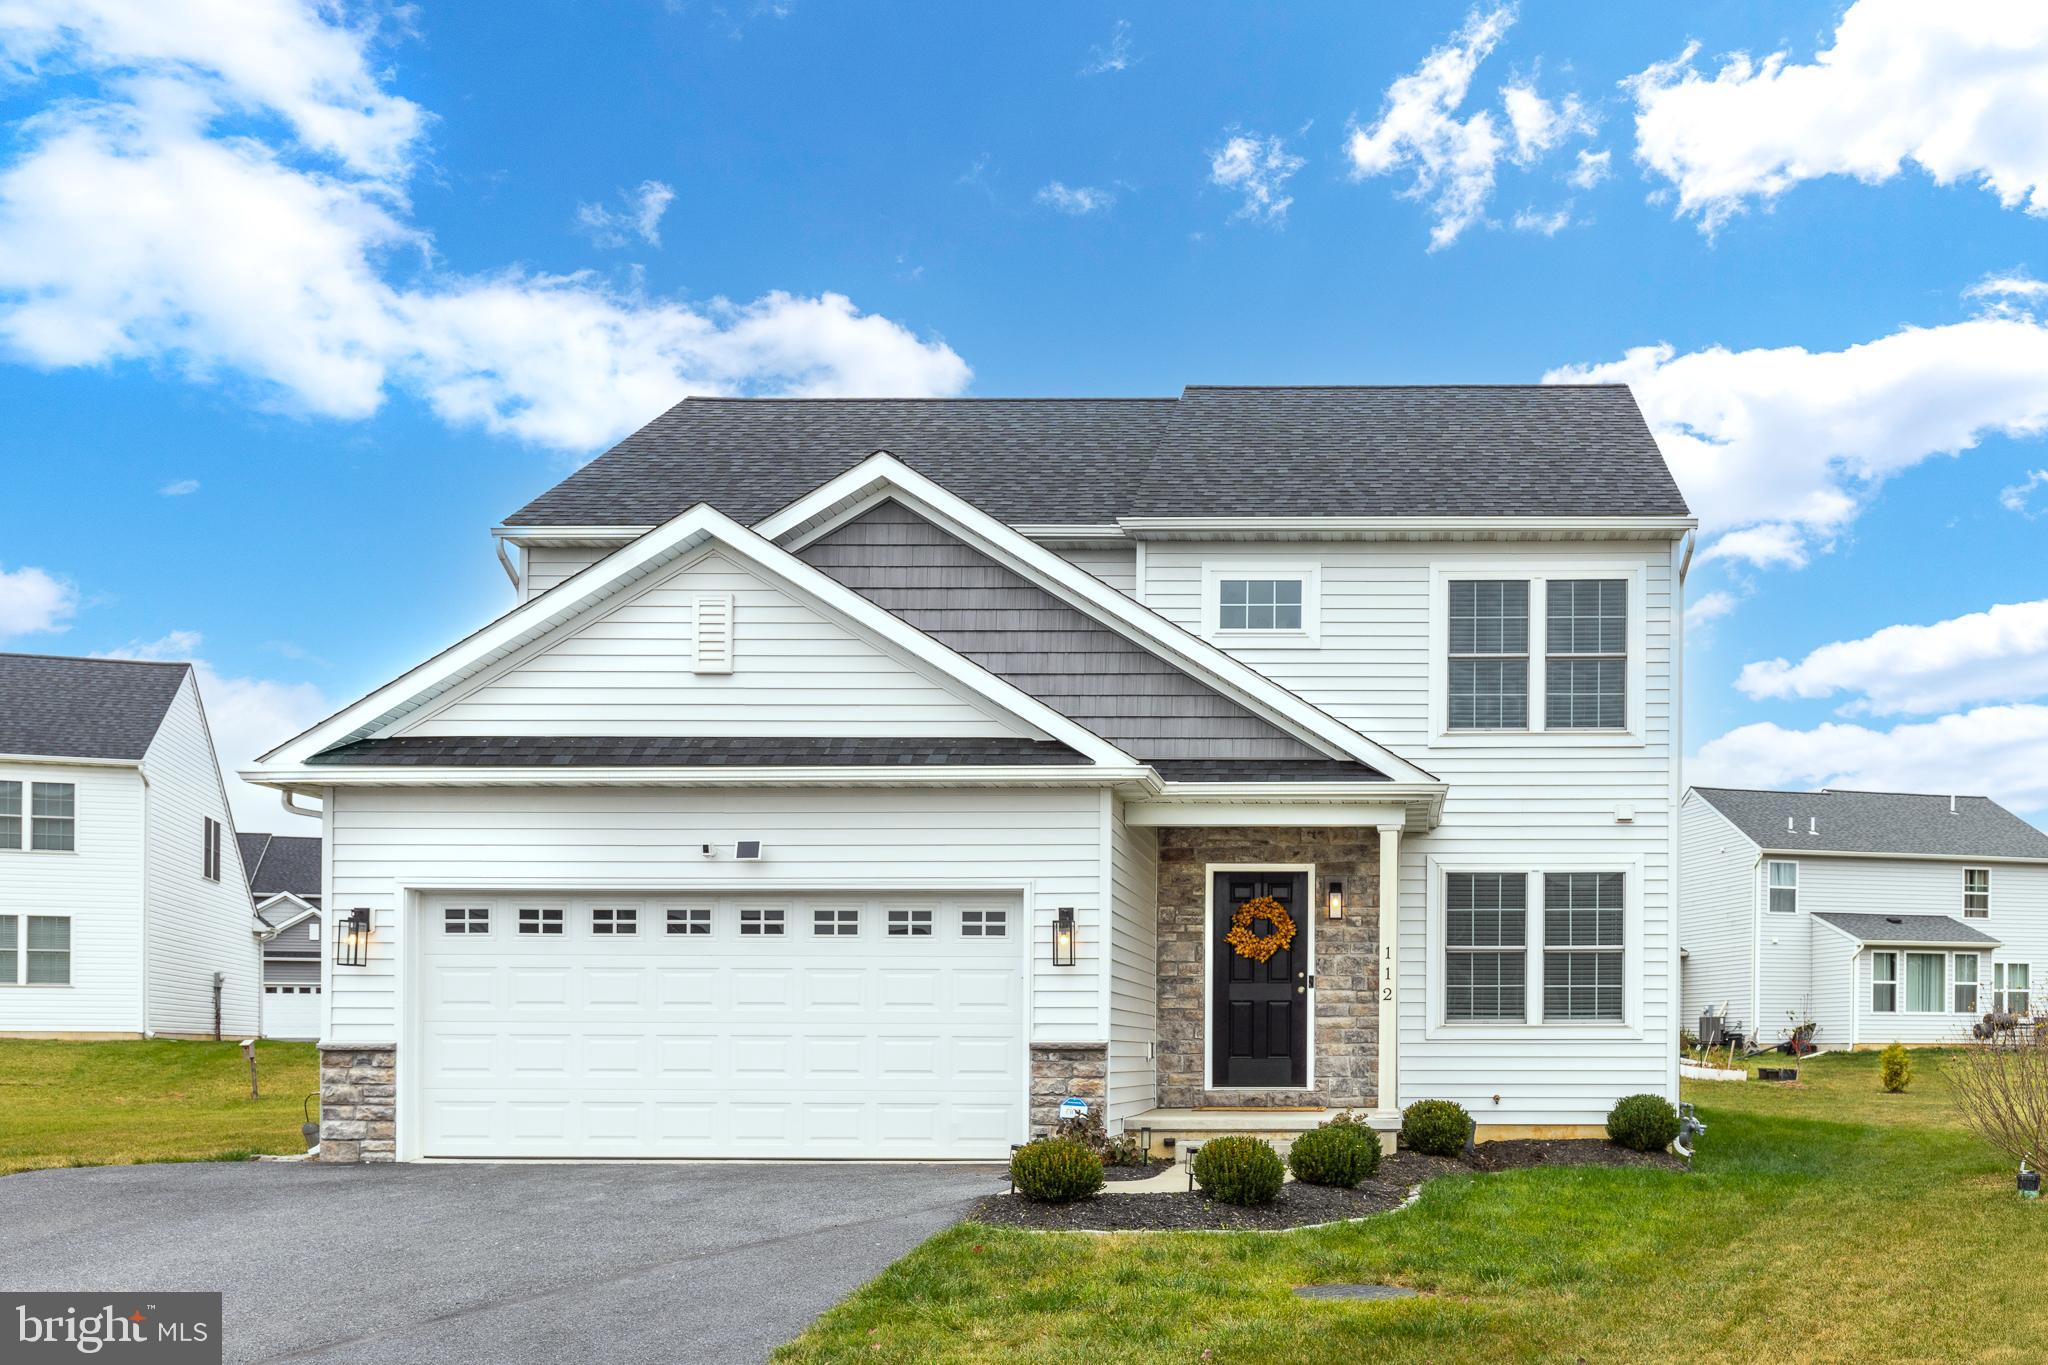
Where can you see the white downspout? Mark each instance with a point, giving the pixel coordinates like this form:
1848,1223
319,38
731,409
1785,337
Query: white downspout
285,799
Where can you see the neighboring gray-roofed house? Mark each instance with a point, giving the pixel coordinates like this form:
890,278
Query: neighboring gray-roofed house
284,884
120,875
1880,916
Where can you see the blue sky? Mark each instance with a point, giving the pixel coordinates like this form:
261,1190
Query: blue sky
296,302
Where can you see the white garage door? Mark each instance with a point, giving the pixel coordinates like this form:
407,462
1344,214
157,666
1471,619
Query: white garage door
291,1011
738,1026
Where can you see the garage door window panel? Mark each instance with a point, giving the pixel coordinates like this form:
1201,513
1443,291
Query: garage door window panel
692,921
466,919
910,924
984,923
835,923
540,920
760,923
614,920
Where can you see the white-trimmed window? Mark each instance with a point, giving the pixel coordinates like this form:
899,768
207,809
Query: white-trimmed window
53,817
1486,959
1926,976
466,919
1489,654
841,922
10,815
691,920
1976,893
209,848
35,950
984,923
1884,983
1784,888
910,924
615,920
1965,983
1274,604
759,923
540,920
2010,981
1583,964
1585,675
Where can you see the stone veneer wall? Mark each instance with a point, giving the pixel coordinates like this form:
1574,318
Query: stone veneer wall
358,1102
1060,1070
1346,1028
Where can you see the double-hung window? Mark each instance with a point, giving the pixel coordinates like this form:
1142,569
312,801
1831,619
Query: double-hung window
209,849
1924,982
1976,893
1884,983
10,815
2009,981
1966,983
1582,945
35,950
53,817
1489,654
1585,643
1784,888
1486,966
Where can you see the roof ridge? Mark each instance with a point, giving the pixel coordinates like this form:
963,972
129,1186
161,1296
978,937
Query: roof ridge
1369,388
962,398
94,659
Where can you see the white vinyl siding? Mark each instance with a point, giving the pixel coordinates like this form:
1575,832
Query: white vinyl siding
1133,965
197,926
1534,800
1717,905
1116,565
648,840
629,668
549,565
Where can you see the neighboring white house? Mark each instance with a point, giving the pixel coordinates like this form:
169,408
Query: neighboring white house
284,884
1879,916
858,778
123,909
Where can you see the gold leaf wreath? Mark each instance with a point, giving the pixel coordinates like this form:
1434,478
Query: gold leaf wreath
1260,947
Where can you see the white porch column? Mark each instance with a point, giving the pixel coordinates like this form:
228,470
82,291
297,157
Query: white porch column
1390,966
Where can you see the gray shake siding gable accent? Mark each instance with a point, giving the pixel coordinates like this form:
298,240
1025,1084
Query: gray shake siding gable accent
1022,633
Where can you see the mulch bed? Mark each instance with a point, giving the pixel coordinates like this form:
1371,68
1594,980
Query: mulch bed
1144,1170
1299,1204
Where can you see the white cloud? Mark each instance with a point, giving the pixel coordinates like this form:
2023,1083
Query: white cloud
1785,445
1995,751
178,488
1540,126
1960,88
1257,168
2013,284
1711,606
1592,168
2014,498
1078,200
1548,224
1453,159
247,716
1995,655
1115,55
134,226
640,218
35,601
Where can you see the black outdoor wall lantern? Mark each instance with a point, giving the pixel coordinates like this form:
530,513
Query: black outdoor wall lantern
1063,937
1335,900
352,938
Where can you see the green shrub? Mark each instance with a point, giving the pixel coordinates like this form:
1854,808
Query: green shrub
1435,1127
1239,1170
1055,1170
1894,1069
1643,1123
1087,1129
1341,1152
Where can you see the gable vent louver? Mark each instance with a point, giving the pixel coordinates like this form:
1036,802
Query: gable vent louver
711,620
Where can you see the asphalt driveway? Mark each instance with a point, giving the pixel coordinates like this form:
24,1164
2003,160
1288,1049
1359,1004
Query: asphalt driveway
502,1263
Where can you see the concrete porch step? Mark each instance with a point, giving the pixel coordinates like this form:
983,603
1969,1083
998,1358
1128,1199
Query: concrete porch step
1277,1126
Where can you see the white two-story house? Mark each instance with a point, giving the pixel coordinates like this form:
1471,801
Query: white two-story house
860,778
123,909
1879,917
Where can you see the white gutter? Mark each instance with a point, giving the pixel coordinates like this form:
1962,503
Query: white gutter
1971,858
284,797
55,760
880,775
1404,528
506,560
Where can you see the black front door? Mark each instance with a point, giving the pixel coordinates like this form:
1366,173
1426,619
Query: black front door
1258,1015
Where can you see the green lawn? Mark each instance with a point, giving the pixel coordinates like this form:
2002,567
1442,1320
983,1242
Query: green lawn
108,1104
1824,1221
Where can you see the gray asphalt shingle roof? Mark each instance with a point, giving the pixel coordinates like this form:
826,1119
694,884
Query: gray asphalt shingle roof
688,751
1878,822
1443,450
57,707
1906,928
281,862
